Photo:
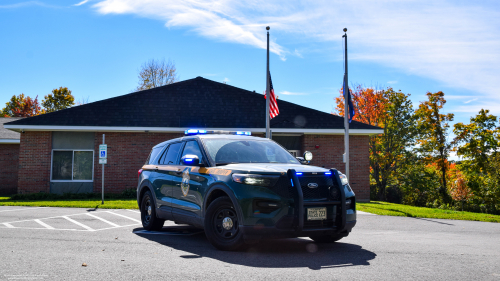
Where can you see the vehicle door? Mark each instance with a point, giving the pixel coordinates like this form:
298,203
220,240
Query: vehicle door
163,181
190,184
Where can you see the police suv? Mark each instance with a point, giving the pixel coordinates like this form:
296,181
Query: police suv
240,188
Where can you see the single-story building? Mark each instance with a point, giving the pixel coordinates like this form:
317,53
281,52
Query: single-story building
9,158
58,151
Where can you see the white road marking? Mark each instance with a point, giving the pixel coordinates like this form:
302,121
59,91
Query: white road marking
365,213
134,211
67,217
79,223
22,209
138,221
106,221
44,224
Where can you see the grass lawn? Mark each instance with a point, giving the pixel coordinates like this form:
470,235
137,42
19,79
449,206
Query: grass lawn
73,203
390,209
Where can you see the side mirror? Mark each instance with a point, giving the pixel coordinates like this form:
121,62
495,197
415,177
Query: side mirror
190,160
302,160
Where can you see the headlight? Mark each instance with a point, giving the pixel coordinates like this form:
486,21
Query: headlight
343,179
260,180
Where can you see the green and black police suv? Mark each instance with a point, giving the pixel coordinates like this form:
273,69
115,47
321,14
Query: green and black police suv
240,189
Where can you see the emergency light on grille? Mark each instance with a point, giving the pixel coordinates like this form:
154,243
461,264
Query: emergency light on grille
191,132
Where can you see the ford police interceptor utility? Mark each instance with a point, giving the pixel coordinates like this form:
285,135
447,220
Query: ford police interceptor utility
240,188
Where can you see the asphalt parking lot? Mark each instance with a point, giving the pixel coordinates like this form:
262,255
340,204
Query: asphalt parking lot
56,243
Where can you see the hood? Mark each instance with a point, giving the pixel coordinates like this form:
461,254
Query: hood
272,167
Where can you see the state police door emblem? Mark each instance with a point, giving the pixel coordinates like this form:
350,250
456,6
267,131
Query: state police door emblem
185,182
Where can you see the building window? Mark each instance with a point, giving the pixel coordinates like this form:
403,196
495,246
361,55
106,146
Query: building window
73,165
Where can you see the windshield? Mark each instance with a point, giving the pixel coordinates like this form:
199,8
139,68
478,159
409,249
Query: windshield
227,151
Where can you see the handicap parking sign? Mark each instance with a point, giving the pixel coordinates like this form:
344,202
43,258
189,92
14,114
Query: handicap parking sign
103,151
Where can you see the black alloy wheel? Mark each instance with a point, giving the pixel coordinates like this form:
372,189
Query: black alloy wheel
148,213
226,223
222,225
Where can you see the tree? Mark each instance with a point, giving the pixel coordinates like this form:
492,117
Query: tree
433,132
479,139
393,111
59,99
156,73
27,108
14,102
22,106
479,144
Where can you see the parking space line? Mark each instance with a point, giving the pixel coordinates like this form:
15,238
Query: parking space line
8,225
138,221
31,208
134,211
44,224
106,221
79,223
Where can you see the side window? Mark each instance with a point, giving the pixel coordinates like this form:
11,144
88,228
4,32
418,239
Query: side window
192,147
154,153
170,156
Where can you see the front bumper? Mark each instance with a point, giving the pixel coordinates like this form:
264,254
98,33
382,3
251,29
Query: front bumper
339,221
259,232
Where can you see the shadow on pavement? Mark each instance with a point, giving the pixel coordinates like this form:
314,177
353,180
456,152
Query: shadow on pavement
282,253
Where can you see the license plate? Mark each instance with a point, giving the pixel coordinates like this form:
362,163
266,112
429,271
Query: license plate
316,214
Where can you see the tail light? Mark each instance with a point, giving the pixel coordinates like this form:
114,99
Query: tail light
139,173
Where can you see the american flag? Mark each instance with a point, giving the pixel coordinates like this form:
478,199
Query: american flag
273,105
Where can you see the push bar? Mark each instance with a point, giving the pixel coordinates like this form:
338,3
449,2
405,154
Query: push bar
341,222
299,206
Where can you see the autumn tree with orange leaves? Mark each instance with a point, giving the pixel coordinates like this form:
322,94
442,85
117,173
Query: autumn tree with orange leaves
22,106
392,111
432,140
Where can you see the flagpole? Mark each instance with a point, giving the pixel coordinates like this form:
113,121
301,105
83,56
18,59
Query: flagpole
268,95
346,111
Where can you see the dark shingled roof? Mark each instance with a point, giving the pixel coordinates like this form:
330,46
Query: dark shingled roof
8,134
197,102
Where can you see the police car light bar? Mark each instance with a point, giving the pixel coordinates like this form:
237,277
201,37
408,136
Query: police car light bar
203,132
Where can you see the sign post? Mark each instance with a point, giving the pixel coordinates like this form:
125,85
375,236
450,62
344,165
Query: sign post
103,159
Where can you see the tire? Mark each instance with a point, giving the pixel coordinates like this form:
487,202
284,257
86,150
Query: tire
148,213
222,225
327,238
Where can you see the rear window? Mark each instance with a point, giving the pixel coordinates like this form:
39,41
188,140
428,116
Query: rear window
170,156
154,153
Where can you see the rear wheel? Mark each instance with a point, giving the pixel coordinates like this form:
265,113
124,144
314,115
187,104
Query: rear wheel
148,213
222,225
328,238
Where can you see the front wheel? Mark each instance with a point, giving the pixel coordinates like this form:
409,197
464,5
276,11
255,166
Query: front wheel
327,238
222,225
148,213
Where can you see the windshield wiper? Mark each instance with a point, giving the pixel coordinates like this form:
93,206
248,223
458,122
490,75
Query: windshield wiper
225,163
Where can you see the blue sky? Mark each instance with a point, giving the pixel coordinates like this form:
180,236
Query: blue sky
95,47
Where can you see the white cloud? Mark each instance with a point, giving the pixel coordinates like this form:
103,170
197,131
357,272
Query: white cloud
81,3
287,93
454,42
470,101
26,4
226,80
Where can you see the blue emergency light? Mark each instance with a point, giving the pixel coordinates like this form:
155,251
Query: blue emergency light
194,132
188,160
298,174
243,133
203,132
328,174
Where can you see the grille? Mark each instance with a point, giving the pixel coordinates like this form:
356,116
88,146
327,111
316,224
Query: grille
284,188
315,193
